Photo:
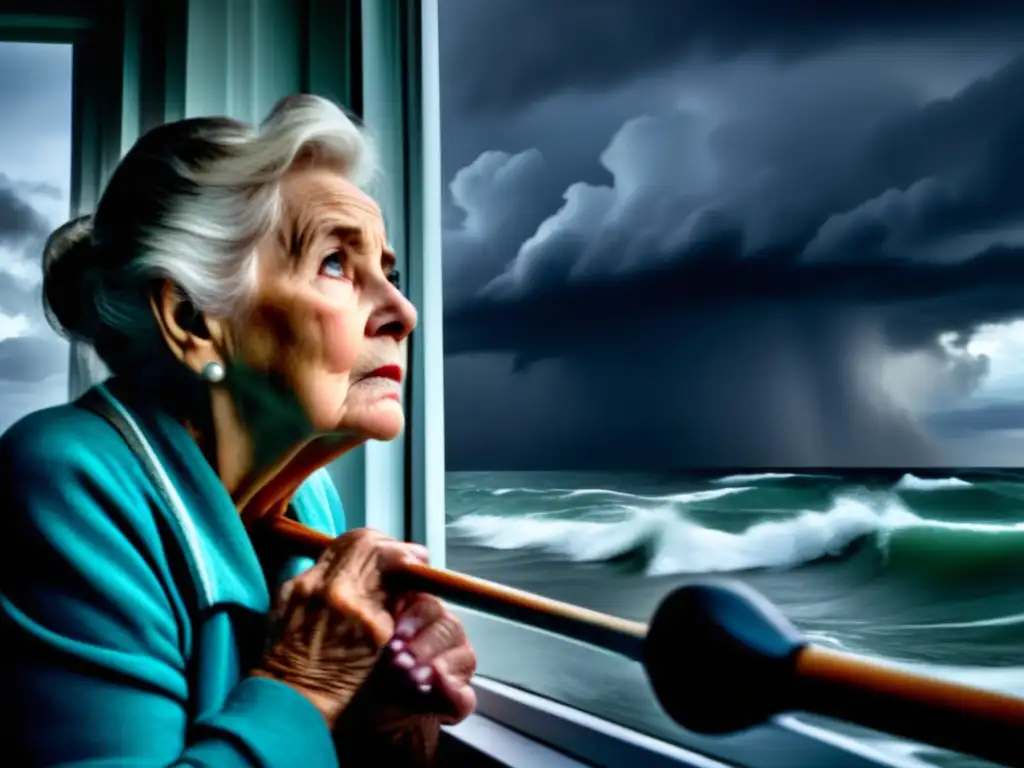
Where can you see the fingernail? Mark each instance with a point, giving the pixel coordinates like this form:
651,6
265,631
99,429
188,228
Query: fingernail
421,674
425,688
397,645
407,627
404,660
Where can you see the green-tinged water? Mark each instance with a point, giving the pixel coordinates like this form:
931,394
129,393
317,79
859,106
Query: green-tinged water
924,572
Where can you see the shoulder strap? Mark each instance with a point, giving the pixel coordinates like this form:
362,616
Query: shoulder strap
102,404
97,401
93,400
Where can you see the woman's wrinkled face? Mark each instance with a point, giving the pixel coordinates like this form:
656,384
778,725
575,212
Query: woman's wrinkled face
329,321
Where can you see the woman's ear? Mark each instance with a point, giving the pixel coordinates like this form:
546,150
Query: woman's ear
193,338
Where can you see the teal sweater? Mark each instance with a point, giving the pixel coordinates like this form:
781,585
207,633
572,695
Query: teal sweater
130,619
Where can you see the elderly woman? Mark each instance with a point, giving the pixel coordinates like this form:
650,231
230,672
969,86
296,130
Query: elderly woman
240,287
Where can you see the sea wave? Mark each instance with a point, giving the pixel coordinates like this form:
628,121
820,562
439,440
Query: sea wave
674,544
759,477
911,482
686,497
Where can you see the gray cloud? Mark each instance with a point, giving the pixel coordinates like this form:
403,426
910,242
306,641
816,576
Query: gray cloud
28,358
19,221
23,231
19,298
980,419
42,189
480,245
524,50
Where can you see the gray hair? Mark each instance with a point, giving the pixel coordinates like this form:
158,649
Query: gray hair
189,203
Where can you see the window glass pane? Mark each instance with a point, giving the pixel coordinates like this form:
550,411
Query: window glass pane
735,292
35,179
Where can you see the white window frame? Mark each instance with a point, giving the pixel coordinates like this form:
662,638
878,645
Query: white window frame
400,34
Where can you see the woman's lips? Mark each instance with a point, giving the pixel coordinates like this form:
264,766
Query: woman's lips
387,373
392,372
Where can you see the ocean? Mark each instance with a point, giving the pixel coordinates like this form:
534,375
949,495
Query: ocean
919,568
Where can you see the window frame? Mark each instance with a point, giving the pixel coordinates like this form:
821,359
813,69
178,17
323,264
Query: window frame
89,28
402,479
94,30
411,69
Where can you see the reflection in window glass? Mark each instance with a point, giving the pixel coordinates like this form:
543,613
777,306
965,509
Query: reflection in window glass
35,178
735,293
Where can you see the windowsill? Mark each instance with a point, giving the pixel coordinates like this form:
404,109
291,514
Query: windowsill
517,728
483,743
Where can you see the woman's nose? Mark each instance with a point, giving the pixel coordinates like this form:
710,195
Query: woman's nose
396,316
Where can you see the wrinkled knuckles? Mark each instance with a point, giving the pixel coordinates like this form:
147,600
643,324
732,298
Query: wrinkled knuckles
442,635
375,622
344,600
456,631
448,631
458,664
364,535
306,585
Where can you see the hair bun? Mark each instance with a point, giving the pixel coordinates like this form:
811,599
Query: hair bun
69,262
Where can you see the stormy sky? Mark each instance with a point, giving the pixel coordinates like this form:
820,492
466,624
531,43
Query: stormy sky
745,233
35,176
679,233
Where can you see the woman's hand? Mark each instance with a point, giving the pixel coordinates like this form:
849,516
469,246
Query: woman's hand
421,683
334,619
431,651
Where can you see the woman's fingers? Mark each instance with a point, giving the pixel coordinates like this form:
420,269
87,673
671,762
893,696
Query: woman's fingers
453,671
414,612
419,552
433,652
457,666
441,634
396,555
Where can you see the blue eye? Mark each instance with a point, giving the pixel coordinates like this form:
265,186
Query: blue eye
334,265
395,278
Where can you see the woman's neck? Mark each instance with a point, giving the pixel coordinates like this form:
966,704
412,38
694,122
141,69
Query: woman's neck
227,443
251,435
273,446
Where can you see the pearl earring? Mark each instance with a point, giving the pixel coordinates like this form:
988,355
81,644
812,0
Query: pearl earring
213,372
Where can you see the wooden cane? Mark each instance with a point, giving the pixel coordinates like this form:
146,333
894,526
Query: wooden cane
720,658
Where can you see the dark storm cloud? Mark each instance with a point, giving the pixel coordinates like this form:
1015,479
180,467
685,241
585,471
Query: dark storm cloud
916,299
20,297
898,214
478,249
735,293
523,50
40,188
23,231
989,417
29,358
19,221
